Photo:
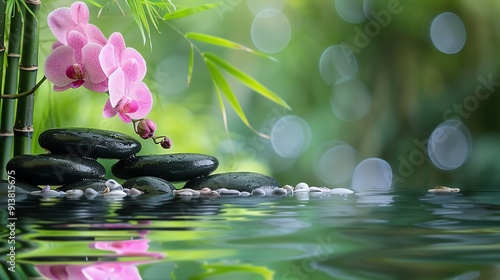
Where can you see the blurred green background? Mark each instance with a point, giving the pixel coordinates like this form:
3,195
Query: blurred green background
408,87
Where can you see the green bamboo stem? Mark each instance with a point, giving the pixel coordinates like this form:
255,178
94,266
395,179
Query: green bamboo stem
28,69
10,87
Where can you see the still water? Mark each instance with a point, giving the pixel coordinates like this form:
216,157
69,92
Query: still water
393,235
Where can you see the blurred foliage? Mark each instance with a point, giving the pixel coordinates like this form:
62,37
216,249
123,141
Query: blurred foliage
411,84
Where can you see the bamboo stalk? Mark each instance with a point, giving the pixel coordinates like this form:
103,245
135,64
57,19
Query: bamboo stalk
10,87
28,69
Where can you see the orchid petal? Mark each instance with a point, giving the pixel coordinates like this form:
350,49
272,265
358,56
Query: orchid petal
130,70
80,13
108,110
90,59
57,63
117,41
125,118
141,93
59,21
107,59
77,41
98,87
95,35
130,53
116,86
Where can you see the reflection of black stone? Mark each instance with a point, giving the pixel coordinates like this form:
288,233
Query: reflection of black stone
96,184
149,185
241,181
173,167
54,169
89,142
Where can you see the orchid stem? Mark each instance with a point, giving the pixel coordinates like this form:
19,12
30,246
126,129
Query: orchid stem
26,93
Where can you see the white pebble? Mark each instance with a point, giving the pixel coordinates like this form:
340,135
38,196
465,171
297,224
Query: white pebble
213,194
115,194
315,190
244,194
229,193
221,189
183,193
288,188
341,191
279,192
193,192
91,191
133,192
74,193
205,191
113,185
259,192
301,186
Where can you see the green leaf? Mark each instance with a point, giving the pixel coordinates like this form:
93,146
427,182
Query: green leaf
191,64
221,42
221,83
246,80
190,11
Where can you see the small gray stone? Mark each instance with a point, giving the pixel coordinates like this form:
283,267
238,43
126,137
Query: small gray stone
54,169
88,142
229,193
279,192
241,181
171,167
148,184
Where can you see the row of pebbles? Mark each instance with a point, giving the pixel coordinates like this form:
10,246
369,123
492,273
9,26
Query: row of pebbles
113,190
287,190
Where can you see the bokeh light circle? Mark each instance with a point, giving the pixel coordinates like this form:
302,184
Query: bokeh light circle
257,6
350,99
337,62
448,33
372,175
290,136
335,163
449,145
351,11
271,31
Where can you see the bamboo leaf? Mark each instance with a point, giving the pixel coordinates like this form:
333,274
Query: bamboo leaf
180,13
221,42
247,80
191,64
222,85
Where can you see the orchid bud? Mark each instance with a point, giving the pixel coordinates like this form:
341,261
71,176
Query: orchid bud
166,143
146,128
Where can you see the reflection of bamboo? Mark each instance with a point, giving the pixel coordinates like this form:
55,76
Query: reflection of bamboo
10,86
23,127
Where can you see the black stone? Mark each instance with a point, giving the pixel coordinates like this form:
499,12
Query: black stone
18,187
96,184
172,167
149,185
241,181
89,142
54,169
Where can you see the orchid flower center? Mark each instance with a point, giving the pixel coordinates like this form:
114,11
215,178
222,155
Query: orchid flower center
76,73
128,105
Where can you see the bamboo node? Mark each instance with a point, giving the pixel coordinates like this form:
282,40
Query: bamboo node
29,68
6,134
24,129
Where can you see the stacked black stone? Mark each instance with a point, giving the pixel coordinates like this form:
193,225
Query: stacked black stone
72,163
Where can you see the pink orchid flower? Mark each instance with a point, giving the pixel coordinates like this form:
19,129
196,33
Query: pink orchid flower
64,20
129,97
76,64
116,55
122,247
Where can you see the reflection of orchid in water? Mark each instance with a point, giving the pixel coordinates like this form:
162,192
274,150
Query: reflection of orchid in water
104,270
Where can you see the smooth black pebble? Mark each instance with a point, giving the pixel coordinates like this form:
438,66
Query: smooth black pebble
88,142
241,181
171,167
149,185
54,169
